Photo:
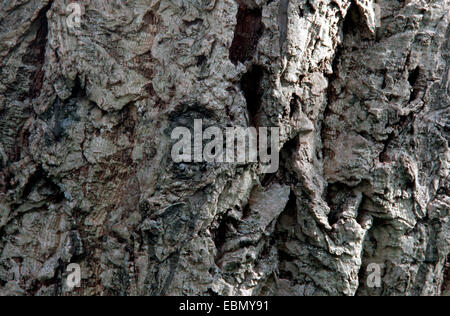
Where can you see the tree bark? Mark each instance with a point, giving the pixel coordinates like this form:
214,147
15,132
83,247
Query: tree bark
358,89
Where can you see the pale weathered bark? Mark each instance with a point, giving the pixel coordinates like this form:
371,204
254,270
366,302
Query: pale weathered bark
86,175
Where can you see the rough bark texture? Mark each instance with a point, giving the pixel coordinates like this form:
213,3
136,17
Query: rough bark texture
86,174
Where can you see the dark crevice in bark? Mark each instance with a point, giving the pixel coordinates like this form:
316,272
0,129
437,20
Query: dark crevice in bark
221,234
211,293
201,60
336,197
399,128
253,92
413,76
282,235
34,180
284,175
78,90
36,54
246,212
413,81
249,29
445,289
308,8
55,281
352,20
41,181
295,106
354,23
268,179
287,154
383,157
14,140
361,275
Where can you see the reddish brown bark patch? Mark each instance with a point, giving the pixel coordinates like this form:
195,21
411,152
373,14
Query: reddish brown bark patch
248,31
37,54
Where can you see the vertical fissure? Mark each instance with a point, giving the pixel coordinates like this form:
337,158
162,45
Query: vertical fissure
249,29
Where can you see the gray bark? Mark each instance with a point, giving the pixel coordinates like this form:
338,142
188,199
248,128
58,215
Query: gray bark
360,92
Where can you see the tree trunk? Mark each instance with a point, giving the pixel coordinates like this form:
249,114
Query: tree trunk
89,99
